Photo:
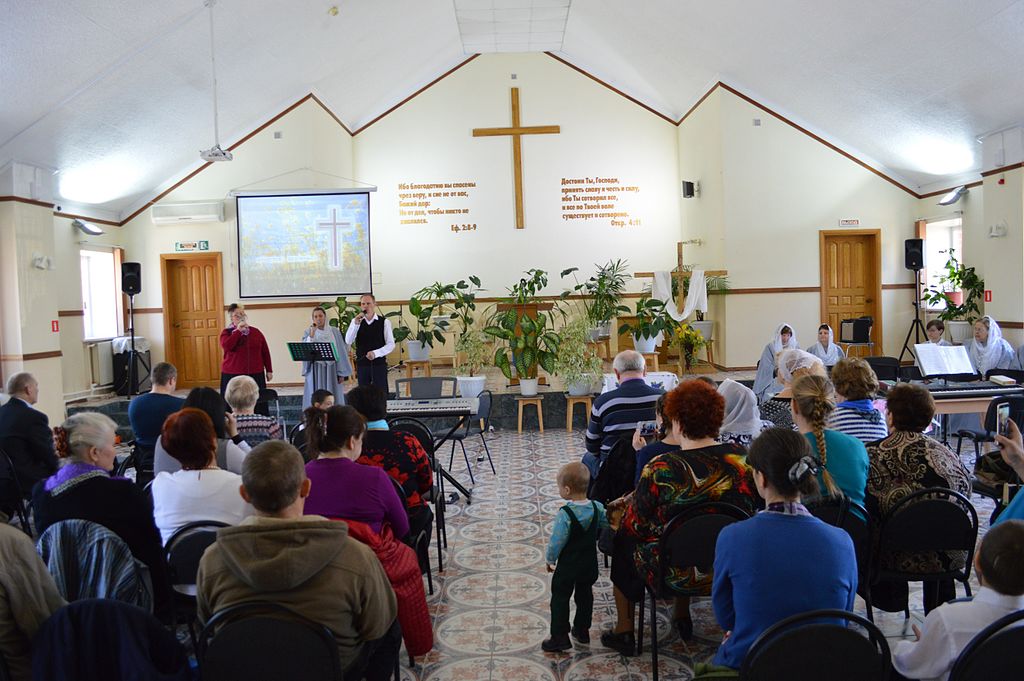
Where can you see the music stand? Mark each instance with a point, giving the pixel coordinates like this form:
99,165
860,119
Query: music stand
311,351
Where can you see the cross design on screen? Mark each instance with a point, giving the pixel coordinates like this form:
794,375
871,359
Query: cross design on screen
337,234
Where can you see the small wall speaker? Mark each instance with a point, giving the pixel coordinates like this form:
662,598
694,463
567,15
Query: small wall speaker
688,190
131,278
913,254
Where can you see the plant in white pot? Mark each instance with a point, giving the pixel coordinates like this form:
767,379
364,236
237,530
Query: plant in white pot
528,340
601,295
958,294
577,363
429,328
651,320
472,350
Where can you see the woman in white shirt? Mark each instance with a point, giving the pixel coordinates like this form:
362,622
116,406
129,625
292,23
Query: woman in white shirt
825,349
231,448
200,490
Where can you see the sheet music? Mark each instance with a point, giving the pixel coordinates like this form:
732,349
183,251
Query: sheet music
936,360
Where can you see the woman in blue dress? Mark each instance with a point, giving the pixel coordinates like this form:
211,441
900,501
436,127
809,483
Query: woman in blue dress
325,375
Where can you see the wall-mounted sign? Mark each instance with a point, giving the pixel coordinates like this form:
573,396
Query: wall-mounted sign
849,222
186,246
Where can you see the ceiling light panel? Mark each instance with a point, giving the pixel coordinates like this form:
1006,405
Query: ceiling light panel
511,25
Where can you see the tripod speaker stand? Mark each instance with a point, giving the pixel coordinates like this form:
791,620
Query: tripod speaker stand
916,329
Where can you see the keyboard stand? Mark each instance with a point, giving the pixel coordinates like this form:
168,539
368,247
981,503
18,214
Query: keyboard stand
445,475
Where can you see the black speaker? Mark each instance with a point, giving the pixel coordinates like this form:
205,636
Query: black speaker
122,367
131,278
687,190
913,254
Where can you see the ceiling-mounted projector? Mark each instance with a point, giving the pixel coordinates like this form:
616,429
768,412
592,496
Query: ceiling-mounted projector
214,154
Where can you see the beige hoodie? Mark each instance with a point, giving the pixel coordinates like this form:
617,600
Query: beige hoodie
308,565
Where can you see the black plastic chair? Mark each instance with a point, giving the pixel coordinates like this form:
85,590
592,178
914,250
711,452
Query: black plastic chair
931,519
478,423
419,543
885,368
978,437
5,672
263,641
11,492
854,519
425,387
183,551
266,396
994,653
806,648
297,438
687,541
421,432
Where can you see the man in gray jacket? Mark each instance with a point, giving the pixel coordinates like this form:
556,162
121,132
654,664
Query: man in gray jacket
305,563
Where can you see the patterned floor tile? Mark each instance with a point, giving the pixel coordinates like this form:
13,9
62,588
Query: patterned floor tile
498,556
492,631
504,589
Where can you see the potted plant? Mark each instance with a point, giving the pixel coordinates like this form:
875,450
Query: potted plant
601,295
957,296
472,352
651,320
529,341
429,328
344,313
577,363
688,340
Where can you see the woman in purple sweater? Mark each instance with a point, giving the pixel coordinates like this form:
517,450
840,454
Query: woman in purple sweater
343,489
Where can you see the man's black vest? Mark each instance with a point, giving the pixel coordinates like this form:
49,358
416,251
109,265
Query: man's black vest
370,337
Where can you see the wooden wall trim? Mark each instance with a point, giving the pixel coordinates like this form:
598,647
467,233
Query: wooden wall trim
613,88
331,113
75,216
149,310
773,289
1011,325
698,103
897,287
417,93
70,313
28,357
20,199
1004,169
940,192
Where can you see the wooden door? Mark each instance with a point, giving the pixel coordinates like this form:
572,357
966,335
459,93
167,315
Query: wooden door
851,282
193,316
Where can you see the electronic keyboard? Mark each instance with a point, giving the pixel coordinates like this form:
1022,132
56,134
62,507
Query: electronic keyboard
979,389
444,406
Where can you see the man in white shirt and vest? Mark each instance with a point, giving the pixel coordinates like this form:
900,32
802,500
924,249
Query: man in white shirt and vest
373,339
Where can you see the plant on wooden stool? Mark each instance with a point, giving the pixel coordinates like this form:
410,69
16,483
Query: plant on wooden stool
601,293
651,319
472,350
529,342
577,362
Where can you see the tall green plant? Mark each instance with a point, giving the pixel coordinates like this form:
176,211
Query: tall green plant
957,277
651,319
528,341
602,292
577,361
473,352
344,313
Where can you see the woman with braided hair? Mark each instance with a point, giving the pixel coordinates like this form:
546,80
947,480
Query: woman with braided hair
842,458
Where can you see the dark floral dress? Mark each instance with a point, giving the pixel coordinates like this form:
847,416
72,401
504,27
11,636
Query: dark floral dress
901,464
402,457
674,481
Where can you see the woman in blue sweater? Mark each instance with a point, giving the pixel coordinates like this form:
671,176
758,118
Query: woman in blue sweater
757,583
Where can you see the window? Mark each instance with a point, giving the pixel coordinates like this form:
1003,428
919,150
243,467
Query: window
940,236
99,294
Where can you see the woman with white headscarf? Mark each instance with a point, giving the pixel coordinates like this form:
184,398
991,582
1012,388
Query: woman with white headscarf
742,422
825,349
765,385
793,364
988,350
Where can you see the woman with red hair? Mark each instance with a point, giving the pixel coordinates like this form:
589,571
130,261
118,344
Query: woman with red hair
700,470
200,490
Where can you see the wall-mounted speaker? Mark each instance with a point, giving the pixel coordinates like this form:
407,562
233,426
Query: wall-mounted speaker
688,192
913,254
131,278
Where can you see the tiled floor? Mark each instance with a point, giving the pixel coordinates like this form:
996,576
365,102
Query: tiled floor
490,605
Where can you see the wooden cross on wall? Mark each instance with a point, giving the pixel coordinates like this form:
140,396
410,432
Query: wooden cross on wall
681,274
517,131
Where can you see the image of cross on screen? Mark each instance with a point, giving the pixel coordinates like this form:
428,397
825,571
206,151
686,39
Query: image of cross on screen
303,244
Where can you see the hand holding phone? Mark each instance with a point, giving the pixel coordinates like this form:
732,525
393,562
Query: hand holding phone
647,428
1003,419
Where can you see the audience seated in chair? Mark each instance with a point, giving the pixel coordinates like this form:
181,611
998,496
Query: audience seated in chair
231,448
742,421
306,563
27,597
999,564
765,384
902,463
701,470
200,490
663,440
793,363
25,433
241,394
842,458
343,488
756,582
400,454
147,413
83,489
855,414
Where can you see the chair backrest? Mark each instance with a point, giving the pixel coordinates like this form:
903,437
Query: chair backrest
689,539
1016,403
425,387
87,560
994,653
483,410
885,368
263,641
848,515
800,647
417,429
398,488
931,519
11,492
185,548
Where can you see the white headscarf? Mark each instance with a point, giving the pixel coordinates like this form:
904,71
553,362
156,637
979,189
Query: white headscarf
829,355
777,345
792,359
742,416
986,355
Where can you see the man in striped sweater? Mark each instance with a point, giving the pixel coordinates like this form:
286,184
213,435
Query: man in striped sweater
616,412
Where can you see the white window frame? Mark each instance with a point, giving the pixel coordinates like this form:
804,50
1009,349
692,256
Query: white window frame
949,231
115,303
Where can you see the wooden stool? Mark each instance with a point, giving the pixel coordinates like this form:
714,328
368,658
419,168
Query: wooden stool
709,346
535,401
651,358
570,407
412,364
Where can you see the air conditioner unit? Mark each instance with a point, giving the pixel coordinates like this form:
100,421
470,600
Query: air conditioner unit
197,211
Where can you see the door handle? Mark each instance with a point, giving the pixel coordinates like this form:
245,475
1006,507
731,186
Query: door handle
869,300
176,325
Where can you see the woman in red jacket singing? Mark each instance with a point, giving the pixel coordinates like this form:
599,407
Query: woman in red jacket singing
245,353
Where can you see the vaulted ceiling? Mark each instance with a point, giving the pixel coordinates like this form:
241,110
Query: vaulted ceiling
115,95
